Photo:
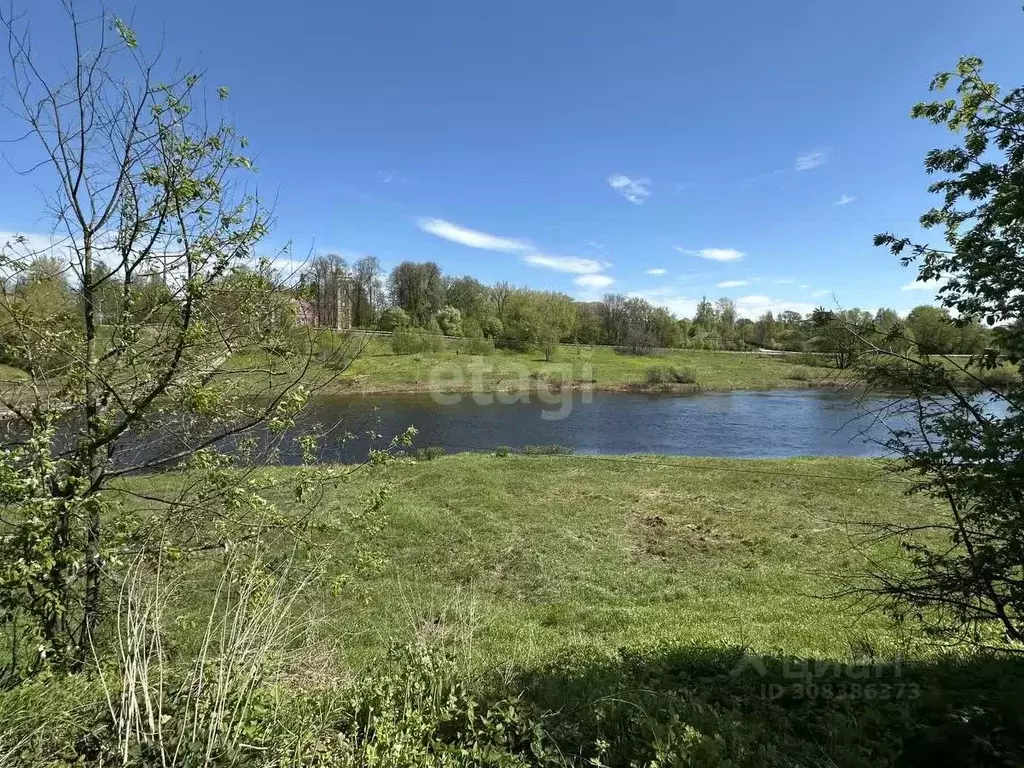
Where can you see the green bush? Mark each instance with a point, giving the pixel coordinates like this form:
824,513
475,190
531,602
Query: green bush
502,451
477,345
428,453
801,374
546,450
998,378
669,374
411,341
392,319
335,349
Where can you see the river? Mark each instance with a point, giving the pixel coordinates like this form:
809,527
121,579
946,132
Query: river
773,424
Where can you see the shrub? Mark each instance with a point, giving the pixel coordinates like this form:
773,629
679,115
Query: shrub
410,341
335,349
428,453
801,374
392,319
450,321
998,378
478,345
546,450
669,374
502,451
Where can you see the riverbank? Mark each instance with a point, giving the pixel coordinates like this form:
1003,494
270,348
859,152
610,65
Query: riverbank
377,370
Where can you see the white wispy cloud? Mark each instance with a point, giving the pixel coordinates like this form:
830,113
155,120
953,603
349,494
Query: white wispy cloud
572,264
844,200
32,244
808,161
575,265
472,238
593,281
783,281
715,254
635,190
393,177
732,283
656,271
746,306
678,304
804,286
755,306
752,180
820,293
925,285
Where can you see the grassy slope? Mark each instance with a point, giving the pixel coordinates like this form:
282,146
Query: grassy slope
7,373
526,556
379,370
530,557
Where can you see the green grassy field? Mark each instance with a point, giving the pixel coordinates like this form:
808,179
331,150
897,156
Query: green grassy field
580,611
377,369
533,554
524,557
7,373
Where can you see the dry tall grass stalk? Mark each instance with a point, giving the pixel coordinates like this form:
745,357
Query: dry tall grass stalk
252,636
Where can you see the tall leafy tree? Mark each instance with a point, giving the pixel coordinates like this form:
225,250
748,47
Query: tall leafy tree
418,288
326,282
932,330
366,291
966,446
705,317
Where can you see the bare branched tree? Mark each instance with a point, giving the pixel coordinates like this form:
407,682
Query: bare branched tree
165,340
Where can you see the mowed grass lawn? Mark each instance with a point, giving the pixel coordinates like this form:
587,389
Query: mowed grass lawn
378,369
520,558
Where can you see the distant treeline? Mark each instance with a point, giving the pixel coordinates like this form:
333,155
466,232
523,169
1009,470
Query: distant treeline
417,295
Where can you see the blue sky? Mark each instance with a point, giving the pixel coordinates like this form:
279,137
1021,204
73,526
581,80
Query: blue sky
669,149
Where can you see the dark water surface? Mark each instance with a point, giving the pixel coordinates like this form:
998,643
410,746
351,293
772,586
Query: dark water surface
731,424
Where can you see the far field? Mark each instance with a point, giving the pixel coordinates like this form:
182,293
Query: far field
378,369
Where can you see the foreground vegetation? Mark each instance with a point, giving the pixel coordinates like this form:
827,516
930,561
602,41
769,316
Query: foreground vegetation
553,610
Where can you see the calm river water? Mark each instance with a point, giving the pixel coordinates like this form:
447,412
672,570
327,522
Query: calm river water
731,424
